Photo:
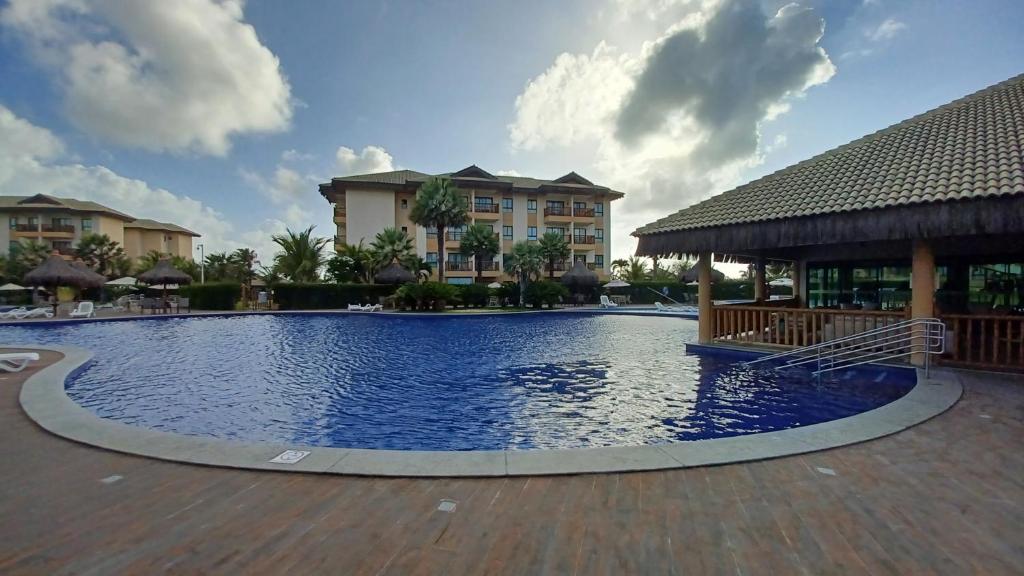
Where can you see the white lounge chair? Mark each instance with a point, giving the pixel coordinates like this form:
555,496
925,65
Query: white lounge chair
606,302
675,309
15,314
16,362
355,308
85,309
373,308
39,313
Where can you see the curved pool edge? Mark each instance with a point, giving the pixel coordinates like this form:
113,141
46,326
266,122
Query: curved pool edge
44,400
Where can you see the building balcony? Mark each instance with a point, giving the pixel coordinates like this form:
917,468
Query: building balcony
583,212
583,240
558,214
339,217
491,266
26,228
451,266
65,251
57,230
490,211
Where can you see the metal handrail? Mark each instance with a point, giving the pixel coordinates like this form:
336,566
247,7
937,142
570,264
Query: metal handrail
925,336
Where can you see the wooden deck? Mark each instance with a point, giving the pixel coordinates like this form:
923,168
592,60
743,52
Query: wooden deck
944,497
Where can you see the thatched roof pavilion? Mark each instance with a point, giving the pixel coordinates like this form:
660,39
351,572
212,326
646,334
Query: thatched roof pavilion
877,217
164,273
100,279
394,273
55,271
580,276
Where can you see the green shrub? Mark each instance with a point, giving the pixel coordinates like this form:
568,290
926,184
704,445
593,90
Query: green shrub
475,295
730,289
212,296
508,294
427,296
321,296
545,292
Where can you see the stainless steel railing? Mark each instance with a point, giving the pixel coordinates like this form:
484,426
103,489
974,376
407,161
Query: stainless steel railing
926,336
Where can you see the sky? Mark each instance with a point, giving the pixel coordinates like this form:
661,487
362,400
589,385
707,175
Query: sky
223,115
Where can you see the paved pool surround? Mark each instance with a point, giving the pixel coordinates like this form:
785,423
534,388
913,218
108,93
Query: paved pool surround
44,400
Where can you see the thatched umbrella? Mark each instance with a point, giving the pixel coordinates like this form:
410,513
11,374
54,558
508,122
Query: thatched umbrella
394,273
100,279
692,275
580,276
164,273
55,271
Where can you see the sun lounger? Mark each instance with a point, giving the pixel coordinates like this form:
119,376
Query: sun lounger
85,309
16,362
355,307
38,313
675,309
606,302
14,314
373,308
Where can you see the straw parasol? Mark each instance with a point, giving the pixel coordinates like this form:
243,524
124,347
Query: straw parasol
394,273
691,276
55,271
82,267
124,281
580,276
164,273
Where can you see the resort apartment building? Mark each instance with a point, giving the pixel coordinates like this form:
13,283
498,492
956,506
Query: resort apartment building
61,223
515,207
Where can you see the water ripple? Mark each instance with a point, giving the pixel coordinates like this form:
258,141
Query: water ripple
442,383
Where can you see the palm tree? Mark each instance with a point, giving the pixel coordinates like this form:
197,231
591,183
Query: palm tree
635,270
219,267
353,263
243,262
99,252
301,255
480,242
391,244
439,205
148,260
555,249
270,276
618,267
27,255
525,262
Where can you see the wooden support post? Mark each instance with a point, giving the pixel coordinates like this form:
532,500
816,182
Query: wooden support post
705,317
922,288
760,282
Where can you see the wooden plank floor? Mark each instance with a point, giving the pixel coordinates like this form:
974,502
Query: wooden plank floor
946,497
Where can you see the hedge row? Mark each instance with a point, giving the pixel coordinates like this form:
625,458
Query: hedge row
212,296
327,296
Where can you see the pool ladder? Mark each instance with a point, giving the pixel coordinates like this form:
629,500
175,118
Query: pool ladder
926,336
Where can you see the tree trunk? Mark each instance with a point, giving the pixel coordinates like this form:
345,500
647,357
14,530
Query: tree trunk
478,262
440,254
551,269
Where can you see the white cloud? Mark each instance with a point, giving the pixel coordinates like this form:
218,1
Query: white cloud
35,165
371,159
163,76
887,30
507,173
680,118
286,188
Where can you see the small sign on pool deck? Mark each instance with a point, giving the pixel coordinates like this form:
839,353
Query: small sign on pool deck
290,456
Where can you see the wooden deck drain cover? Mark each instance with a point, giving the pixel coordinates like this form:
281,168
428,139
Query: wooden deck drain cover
289,456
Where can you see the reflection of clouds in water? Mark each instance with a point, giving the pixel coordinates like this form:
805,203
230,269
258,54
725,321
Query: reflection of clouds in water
438,383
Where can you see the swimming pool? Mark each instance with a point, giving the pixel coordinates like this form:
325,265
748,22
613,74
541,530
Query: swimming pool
488,382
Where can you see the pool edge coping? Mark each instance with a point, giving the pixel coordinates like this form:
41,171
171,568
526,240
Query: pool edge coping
44,400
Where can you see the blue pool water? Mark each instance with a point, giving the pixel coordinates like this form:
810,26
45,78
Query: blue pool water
442,383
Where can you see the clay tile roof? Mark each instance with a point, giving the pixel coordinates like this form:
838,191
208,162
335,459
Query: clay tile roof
970,148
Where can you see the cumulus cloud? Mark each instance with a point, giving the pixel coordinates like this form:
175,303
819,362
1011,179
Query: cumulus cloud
32,162
680,118
371,159
162,76
887,30
288,189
